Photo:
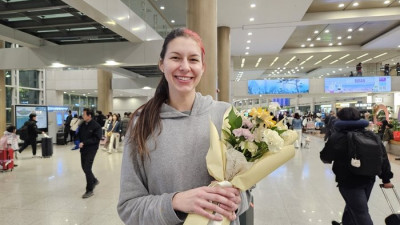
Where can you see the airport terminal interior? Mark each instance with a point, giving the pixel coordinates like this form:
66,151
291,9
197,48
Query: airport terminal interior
306,56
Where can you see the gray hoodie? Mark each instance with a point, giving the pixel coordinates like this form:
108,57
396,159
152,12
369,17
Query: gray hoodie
177,163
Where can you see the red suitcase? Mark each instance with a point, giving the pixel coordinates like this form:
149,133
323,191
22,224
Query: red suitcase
7,159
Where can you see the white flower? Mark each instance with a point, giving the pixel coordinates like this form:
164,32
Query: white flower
250,146
273,140
258,134
289,137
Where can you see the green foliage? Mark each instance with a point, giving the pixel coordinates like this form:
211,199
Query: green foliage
396,125
235,121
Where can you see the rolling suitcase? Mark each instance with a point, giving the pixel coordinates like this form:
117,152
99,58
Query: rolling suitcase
7,159
47,147
394,218
60,139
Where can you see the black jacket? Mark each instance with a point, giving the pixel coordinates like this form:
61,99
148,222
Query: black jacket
90,134
32,129
336,150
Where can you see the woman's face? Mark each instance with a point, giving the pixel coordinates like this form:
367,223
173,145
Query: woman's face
114,117
182,66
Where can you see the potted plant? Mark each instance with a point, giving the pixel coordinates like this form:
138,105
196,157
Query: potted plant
396,129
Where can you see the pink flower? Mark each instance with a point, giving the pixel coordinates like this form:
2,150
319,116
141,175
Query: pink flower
243,132
247,123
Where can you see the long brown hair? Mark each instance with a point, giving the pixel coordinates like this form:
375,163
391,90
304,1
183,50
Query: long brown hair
146,119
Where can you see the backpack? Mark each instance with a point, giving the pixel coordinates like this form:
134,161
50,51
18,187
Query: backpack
365,153
23,132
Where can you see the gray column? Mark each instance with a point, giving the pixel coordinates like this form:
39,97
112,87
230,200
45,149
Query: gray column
104,92
224,59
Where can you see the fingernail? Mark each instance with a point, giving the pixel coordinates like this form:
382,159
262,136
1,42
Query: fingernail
219,218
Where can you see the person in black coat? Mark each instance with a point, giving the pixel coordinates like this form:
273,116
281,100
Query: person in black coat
89,136
32,134
355,189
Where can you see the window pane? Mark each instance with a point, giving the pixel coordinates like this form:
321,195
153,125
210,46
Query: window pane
8,97
8,77
75,100
92,102
66,99
28,96
29,78
8,45
8,116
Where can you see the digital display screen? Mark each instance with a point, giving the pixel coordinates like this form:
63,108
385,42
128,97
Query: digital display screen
282,101
280,86
22,113
358,84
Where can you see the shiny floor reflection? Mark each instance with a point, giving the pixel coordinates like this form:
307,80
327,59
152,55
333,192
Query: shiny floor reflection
48,191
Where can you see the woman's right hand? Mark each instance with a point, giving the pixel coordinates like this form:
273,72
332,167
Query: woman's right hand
199,200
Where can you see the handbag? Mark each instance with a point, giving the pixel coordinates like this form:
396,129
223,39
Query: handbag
109,133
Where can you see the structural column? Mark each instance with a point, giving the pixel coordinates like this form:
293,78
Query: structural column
2,98
104,91
224,60
202,18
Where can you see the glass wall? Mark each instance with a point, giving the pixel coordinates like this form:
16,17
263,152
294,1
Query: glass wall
79,102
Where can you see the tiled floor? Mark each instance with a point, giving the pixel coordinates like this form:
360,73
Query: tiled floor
48,191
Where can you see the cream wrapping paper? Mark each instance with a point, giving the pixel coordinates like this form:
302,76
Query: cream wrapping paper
216,164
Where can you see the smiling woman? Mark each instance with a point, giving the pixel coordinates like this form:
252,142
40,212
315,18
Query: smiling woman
159,184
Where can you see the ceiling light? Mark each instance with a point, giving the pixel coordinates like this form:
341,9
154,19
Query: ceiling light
330,44
249,33
246,53
247,47
311,45
318,38
380,55
326,31
172,21
349,37
303,45
243,60
398,46
359,57
340,43
274,61
57,65
334,62
248,41
259,60
316,32
318,62
251,19
339,37
341,5
65,92
344,56
360,29
350,30
309,58
302,67
350,61
308,39
253,5
162,7
386,2
327,57
355,4
111,63
367,60
146,88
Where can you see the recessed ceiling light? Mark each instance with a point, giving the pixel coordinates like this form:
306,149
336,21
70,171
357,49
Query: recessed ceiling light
172,21
340,43
341,5
303,45
302,67
398,46
316,32
65,92
339,37
355,4
162,7
249,33
308,39
253,5
311,45
330,44
349,30
247,47
246,53
318,38
251,19
360,29
248,41
111,63
146,88
349,37
326,31
386,2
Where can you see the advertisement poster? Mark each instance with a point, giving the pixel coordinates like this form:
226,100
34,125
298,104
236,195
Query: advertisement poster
22,115
279,86
357,84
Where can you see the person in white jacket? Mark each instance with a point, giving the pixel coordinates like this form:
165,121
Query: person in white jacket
10,140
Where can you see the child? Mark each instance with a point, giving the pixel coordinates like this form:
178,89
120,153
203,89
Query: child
10,140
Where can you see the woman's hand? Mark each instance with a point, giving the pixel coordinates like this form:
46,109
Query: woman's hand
388,185
201,199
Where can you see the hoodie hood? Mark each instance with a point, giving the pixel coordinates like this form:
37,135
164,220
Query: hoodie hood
202,104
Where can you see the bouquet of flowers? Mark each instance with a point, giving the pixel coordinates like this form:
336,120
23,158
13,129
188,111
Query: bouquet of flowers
251,148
